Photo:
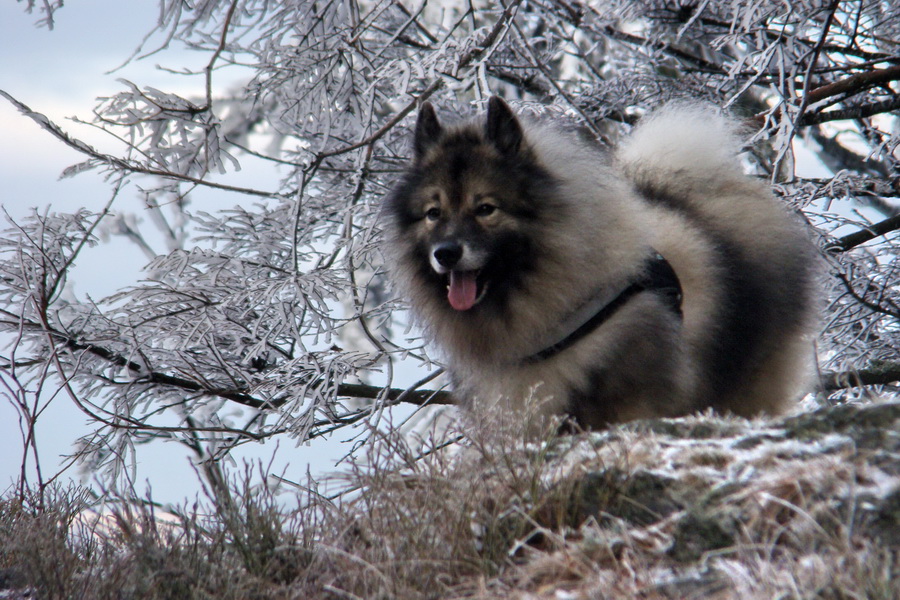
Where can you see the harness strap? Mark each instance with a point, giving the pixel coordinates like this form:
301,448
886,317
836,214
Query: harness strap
658,276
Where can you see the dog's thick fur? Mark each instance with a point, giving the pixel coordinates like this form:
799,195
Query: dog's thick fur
534,223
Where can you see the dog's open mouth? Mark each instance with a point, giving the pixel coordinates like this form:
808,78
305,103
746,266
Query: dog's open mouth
464,290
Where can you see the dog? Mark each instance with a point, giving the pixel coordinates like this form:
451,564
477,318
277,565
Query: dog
654,280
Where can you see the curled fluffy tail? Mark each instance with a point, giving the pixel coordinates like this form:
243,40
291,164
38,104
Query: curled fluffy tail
682,147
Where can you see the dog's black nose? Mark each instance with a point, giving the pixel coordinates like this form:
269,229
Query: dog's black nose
448,254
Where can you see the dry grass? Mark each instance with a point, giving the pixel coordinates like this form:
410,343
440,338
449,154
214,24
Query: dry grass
703,508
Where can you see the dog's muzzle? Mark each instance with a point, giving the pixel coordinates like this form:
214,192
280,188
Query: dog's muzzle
462,267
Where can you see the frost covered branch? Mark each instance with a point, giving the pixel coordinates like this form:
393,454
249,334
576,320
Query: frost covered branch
118,163
852,240
879,374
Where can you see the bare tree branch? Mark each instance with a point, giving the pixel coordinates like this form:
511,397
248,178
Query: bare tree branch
855,84
120,163
883,374
863,111
241,396
861,237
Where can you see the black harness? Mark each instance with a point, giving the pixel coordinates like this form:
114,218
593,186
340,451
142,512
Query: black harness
657,276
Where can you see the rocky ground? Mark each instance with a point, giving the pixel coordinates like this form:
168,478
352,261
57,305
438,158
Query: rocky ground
705,507
806,506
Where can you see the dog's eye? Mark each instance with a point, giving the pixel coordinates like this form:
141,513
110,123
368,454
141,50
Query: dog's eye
433,214
483,210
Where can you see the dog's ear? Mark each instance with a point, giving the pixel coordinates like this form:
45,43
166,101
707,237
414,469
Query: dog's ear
428,130
503,128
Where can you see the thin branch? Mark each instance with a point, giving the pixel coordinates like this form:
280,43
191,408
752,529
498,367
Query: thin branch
863,111
539,64
836,156
122,164
221,47
668,49
489,40
806,98
861,237
861,298
851,85
855,83
356,390
885,374
352,390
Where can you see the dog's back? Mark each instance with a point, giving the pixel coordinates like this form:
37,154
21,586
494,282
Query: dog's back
755,352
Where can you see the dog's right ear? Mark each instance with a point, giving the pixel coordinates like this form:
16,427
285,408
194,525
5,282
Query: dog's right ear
428,130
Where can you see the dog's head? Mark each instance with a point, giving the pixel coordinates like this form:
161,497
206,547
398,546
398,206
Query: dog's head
467,210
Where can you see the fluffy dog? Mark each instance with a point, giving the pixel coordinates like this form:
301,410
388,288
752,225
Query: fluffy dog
655,280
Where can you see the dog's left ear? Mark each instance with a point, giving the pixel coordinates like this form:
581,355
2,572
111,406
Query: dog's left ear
503,128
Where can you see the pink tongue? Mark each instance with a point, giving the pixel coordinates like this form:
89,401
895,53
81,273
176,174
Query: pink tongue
463,289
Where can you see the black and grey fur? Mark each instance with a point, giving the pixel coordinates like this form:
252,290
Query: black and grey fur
505,235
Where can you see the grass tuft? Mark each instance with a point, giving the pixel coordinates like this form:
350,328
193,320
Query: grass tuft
748,510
